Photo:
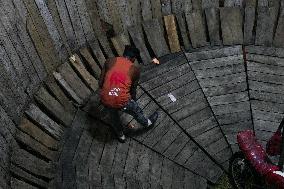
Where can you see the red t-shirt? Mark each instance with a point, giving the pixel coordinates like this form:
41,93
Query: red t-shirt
115,91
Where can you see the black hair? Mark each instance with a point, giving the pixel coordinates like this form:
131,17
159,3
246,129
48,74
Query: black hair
131,52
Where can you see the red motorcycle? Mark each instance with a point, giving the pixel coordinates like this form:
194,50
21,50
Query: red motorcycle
252,167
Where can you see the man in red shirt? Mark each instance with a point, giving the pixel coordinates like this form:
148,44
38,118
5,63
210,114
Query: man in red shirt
118,82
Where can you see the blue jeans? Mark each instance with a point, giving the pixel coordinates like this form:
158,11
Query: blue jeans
132,108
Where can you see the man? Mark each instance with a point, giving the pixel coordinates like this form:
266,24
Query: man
118,83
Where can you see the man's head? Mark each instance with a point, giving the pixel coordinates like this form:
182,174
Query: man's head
130,52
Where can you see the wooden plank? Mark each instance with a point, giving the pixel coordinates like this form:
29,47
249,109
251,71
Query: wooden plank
265,125
183,31
89,80
115,17
196,118
249,25
220,71
67,87
155,169
231,25
179,92
186,152
225,89
265,68
103,10
213,24
209,137
167,171
56,18
66,23
266,60
267,106
167,139
163,91
279,33
170,75
171,29
196,5
74,81
215,53
75,20
228,98
132,159
136,34
135,12
34,145
231,108
17,184
44,122
143,167
210,4
97,27
192,181
146,10
53,107
119,42
52,29
42,30
266,21
217,81
31,163
96,71
267,116
39,135
203,126
226,119
48,60
216,62
177,145
196,28
157,10
274,79
58,93
262,50
166,7
25,39
156,39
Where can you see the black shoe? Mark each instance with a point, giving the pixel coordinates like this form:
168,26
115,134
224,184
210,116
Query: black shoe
121,138
153,118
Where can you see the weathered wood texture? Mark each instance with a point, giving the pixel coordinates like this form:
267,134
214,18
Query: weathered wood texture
231,25
171,29
155,37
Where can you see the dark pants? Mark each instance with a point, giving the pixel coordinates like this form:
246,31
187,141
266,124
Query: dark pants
131,108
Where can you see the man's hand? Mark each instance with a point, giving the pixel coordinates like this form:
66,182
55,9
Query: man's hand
155,61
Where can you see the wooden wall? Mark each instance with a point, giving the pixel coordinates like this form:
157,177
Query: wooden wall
37,36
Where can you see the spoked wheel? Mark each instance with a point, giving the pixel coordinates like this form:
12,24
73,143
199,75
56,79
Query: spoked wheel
241,174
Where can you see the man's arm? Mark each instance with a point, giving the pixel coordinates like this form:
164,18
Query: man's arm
135,81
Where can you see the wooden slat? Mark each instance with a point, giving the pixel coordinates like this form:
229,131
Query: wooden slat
249,22
97,27
74,81
155,37
96,71
75,20
42,30
146,10
157,10
33,130
44,122
135,12
196,28
52,29
183,31
67,87
136,34
119,42
166,7
231,24
213,24
115,17
266,21
171,29
53,106
210,4
89,80
279,33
